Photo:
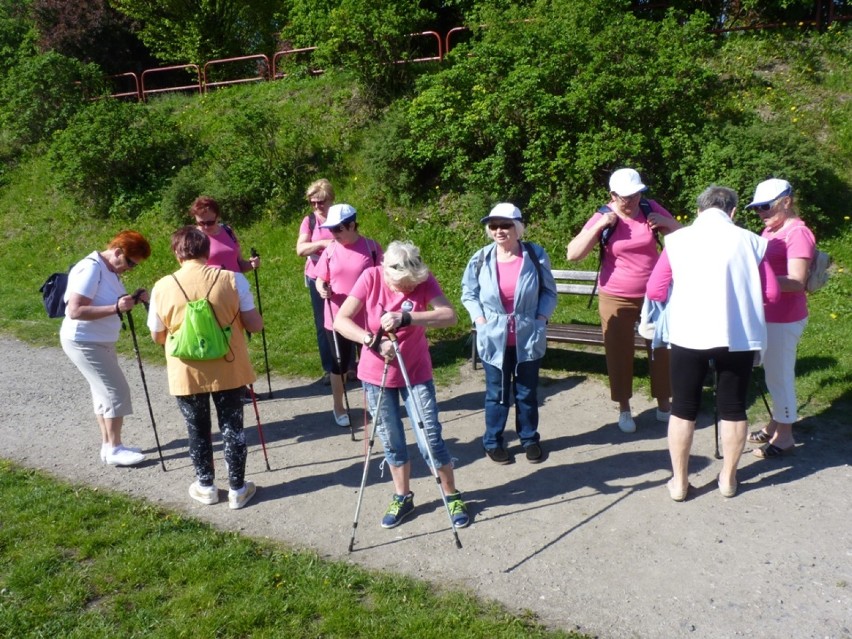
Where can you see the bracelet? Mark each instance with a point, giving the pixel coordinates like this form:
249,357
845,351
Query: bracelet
117,312
406,319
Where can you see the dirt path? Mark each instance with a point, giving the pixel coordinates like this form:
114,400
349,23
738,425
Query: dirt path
587,540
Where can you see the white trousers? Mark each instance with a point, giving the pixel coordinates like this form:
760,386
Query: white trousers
779,364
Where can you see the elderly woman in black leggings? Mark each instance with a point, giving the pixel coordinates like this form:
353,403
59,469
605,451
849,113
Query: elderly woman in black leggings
719,280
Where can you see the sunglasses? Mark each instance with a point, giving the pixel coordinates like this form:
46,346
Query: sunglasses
339,228
764,207
205,223
130,263
502,227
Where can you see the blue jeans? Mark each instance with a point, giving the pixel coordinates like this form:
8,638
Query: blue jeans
522,381
326,354
391,430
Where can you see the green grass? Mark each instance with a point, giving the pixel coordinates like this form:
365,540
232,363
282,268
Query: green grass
104,565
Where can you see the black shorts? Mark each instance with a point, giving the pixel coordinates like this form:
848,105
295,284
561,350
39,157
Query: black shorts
689,369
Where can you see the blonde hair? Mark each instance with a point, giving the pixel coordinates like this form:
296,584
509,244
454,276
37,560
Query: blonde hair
321,188
403,266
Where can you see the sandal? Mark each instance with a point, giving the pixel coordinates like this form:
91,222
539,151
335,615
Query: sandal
676,493
759,437
771,450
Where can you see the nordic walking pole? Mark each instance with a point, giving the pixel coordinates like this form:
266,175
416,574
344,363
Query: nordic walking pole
254,253
715,407
367,452
259,427
420,424
340,366
145,386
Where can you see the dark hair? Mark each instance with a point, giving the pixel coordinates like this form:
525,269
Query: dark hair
718,197
189,243
132,244
204,203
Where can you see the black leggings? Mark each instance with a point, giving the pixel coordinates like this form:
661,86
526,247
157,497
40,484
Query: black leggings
689,369
229,411
347,352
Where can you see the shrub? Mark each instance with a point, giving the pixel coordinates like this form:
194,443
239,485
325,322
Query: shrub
115,157
40,94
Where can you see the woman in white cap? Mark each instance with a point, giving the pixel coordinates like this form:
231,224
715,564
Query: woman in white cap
336,272
790,251
509,292
627,229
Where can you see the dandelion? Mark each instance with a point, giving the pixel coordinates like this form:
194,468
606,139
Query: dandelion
793,108
833,316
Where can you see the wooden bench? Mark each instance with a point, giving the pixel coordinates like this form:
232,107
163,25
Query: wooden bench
568,283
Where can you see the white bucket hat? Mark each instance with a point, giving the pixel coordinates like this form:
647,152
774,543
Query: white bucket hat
626,182
769,191
339,214
503,211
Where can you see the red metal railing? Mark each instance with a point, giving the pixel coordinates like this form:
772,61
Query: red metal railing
262,68
276,75
137,91
273,71
184,87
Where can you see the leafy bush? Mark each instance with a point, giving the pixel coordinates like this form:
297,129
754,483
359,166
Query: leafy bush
40,94
115,156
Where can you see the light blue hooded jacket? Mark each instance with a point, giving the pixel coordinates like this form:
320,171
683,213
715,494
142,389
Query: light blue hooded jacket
481,298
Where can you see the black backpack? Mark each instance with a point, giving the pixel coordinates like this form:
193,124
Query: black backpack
645,207
53,292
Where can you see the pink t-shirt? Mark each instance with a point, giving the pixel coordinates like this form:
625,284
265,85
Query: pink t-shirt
340,265
793,240
377,298
224,251
507,280
315,236
630,255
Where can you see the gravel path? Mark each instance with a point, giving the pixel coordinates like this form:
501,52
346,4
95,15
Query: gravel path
587,540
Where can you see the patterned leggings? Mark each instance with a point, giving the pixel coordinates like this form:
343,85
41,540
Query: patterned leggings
229,411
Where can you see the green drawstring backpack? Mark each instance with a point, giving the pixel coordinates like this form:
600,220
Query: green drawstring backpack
200,337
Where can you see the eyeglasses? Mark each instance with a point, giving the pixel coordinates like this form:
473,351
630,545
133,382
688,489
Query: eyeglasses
502,227
205,223
317,203
130,263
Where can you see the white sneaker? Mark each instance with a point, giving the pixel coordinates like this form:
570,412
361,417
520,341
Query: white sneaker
121,456
663,415
105,448
626,423
341,420
239,498
207,495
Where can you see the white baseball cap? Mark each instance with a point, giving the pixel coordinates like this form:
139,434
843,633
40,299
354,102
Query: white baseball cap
769,191
503,211
339,214
626,182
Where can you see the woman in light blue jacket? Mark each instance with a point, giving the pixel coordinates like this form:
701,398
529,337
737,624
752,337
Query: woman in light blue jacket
509,292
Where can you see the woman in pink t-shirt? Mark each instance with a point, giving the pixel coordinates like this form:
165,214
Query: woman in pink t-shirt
790,251
628,228
402,297
337,270
313,239
224,248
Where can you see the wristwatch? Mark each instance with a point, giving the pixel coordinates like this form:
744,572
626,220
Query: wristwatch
368,339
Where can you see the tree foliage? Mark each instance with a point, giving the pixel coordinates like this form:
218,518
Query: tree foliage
90,31
183,31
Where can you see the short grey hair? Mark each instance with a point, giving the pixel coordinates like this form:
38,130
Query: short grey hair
519,229
718,197
402,265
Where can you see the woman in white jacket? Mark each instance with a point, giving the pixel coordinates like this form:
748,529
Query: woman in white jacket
715,314
509,292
